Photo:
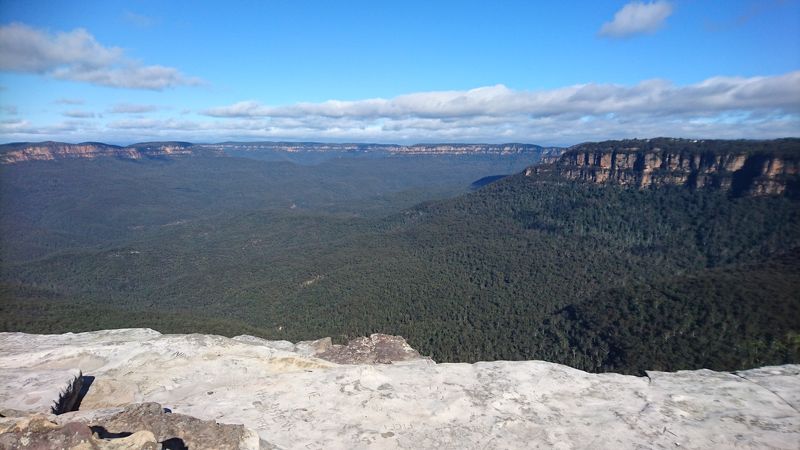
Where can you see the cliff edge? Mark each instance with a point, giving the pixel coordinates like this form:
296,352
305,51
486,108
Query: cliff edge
739,167
377,392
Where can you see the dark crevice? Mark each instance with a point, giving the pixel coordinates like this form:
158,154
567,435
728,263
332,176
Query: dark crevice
174,444
168,444
68,398
102,433
87,381
743,178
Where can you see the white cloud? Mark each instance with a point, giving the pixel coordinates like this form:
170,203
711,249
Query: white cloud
651,96
637,18
719,107
77,56
249,108
130,108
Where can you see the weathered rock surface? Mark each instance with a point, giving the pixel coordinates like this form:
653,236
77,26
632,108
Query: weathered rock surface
40,433
293,398
174,428
375,349
137,426
41,392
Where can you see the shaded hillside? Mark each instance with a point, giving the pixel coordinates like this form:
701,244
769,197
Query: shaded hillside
714,318
477,184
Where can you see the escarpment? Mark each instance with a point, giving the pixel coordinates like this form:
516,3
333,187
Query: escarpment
21,152
742,168
51,151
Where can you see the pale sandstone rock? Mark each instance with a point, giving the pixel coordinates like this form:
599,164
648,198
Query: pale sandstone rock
294,399
41,433
165,427
24,390
137,427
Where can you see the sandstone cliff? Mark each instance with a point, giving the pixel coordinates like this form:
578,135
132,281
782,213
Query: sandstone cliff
389,149
375,392
50,151
746,168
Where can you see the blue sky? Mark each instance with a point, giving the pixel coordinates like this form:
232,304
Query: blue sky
543,72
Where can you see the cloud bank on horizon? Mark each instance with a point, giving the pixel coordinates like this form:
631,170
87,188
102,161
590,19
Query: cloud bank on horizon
778,94
716,107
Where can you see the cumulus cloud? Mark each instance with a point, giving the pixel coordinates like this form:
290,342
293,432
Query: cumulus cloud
650,96
719,107
545,130
130,108
637,18
249,108
77,56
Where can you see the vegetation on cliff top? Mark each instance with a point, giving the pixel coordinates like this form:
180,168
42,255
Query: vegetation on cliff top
786,147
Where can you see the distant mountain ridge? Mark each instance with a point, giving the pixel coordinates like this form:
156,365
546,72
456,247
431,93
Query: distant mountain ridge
48,151
741,167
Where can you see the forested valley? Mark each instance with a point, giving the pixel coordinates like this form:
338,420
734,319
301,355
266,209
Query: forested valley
602,278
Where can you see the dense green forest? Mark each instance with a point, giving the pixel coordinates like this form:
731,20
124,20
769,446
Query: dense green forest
602,278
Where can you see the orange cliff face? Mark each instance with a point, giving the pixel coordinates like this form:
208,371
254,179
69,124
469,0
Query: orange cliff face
50,151
741,172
